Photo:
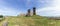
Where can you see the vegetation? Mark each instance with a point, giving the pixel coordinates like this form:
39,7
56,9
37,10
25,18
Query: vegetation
1,18
32,21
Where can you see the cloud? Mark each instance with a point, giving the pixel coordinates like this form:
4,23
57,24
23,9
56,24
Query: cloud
7,10
52,10
49,11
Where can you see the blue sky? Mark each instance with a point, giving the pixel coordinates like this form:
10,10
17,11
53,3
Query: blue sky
44,7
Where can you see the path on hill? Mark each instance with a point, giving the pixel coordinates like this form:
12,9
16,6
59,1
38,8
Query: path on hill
5,22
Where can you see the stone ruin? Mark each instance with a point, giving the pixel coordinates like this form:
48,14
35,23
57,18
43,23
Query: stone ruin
30,13
34,11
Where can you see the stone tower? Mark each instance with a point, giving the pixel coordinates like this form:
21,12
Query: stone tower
34,11
28,12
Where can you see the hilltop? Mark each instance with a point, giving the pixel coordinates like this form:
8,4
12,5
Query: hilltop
31,21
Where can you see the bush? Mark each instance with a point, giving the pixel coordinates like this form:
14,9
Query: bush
1,16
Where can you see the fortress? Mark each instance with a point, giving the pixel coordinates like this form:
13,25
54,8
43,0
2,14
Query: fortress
29,12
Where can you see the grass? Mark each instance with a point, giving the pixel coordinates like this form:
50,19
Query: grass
32,21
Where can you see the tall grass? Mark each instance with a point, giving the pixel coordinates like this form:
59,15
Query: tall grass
32,21
28,21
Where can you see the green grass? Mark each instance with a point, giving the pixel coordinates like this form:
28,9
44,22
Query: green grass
32,21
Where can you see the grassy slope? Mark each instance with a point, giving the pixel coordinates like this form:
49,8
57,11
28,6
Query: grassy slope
32,21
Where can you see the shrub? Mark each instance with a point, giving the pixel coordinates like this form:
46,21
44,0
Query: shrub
1,16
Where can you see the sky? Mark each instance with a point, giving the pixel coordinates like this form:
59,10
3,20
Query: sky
43,7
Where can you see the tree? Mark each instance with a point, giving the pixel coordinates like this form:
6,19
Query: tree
1,16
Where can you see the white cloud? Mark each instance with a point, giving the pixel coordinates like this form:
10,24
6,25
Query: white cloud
53,10
7,11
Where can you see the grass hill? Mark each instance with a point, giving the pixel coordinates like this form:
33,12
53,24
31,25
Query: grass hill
32,21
